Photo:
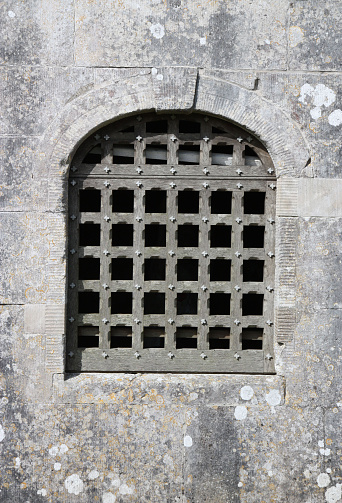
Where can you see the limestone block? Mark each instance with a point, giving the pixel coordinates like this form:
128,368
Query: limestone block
320,197
23,179
33,96
217,34
34,319
37,32
315,35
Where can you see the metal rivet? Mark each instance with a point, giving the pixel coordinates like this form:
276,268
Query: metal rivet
137,354
172,219
72,285
205,219
171,253
249,139
237,356
173,138
104,354
239,185
173,170
172,117
206,139
237,254
237,287
137,321
237,322
270,254
138,219
106,218
272,186
106,183
138,253
170,355
205,185
138,287
171,321
73,217
172,185
203,322
269,322
238,220
271,220
205,254
206,118
71,319
270,171
73,169
268,356
106,169
105,252
139,118
105,321
139,170
239,139
270,288
138,184
72,251
171,287
203,356
97,136
239,171
105,286
206,171
139,138
204,288
71,354
106,137
73,183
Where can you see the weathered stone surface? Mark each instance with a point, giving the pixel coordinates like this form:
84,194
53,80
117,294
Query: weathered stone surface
151,33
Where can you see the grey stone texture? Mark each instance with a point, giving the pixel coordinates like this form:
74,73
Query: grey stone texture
69,67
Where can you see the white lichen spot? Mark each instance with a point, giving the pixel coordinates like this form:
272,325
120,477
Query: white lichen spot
307,474
319,96
168,461
334,494
17,463
63,449
246,393
93,475
240,484
267,41
159,76
187,441
74,484
270,473
4,400
273,397
116,482
203,41
335,118
323,480
193,396
53,451
240,412
320,443
325,452
42,492
108,498
57,467
157,30
154,71
316,113
296,35
2,433
125,489
328,470
11,13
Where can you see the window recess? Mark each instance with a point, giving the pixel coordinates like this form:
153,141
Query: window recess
171,248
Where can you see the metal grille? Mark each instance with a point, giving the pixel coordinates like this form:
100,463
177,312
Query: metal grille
171,248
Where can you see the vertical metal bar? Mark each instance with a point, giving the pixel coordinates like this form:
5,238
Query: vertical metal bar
138,261
105,280
236,270
203,283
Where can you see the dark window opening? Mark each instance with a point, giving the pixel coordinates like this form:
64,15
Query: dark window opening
155,201
121,303
188,201
220,236
187,235
129,129
156,127
187,269
154,303
186,338
252,304
154,269
123,154
90,234
187,303
189,127
154,337
90,200
88,337
251,158
188,154
222,155
252,338
122,235
253,270
221,202
219,338
254,203
156,154
88,302
123,201
220,270
122,268
155,235
121,337
93,156
219,303
89,268
253,236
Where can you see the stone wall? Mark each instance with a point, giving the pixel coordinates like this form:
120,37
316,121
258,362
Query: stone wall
69,66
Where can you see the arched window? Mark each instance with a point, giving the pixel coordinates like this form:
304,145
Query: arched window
171,248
